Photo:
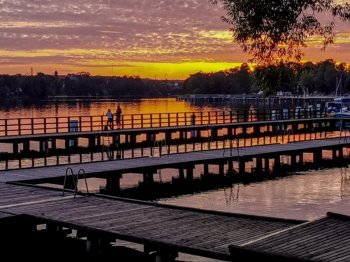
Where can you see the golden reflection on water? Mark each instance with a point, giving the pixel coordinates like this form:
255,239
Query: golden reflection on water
306,196
81,108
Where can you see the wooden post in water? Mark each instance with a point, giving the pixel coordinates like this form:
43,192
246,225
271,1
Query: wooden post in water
241,166
293,160
26,146
113,184
221,169
341,155
92,140
15,148
148,177
230,168
189,173
53,144
301,160
258,165
267,165
181,174
256,130
317,157
206,169
277,165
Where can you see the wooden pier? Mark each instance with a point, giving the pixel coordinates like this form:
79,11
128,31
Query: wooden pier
258,156
119,141
326,239
164,230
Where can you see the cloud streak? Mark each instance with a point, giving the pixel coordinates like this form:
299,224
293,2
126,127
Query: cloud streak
71,34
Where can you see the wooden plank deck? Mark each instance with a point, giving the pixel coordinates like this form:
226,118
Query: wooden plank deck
96,169
186,230
326,239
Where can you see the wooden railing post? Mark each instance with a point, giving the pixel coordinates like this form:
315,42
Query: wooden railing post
19,126
5,127
32,125
44,125
80,123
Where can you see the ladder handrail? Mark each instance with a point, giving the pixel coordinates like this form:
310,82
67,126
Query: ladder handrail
65,178
82,172
75,179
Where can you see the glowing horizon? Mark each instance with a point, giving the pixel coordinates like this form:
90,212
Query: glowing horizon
168,39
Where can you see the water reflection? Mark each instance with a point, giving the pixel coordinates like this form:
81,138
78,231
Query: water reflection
84,108
231,194
307,196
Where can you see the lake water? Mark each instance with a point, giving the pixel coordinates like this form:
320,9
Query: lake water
306,196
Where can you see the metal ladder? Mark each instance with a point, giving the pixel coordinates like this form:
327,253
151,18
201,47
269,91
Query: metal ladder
75,179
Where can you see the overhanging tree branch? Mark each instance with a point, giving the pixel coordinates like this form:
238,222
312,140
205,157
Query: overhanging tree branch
275,30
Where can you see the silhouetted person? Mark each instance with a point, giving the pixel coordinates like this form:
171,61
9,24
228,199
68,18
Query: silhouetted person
109,119
118,115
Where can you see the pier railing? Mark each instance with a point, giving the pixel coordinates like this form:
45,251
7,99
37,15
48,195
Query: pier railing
65,124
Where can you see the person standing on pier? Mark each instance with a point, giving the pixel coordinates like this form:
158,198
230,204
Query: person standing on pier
109,119
118,115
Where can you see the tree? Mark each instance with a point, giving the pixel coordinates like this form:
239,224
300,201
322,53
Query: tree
278,29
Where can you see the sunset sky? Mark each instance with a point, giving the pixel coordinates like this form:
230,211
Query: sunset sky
148,38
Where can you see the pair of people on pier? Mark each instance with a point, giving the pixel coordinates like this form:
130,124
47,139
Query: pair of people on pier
118,115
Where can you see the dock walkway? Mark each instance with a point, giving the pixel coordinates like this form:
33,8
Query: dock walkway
196,232
140,165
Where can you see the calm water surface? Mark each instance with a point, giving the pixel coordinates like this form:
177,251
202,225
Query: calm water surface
305,196
80,108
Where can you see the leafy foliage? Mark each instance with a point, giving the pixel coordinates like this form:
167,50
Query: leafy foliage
274,30
42,86
296,78
233,81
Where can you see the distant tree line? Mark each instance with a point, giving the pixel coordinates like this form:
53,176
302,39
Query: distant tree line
43,86
297,78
